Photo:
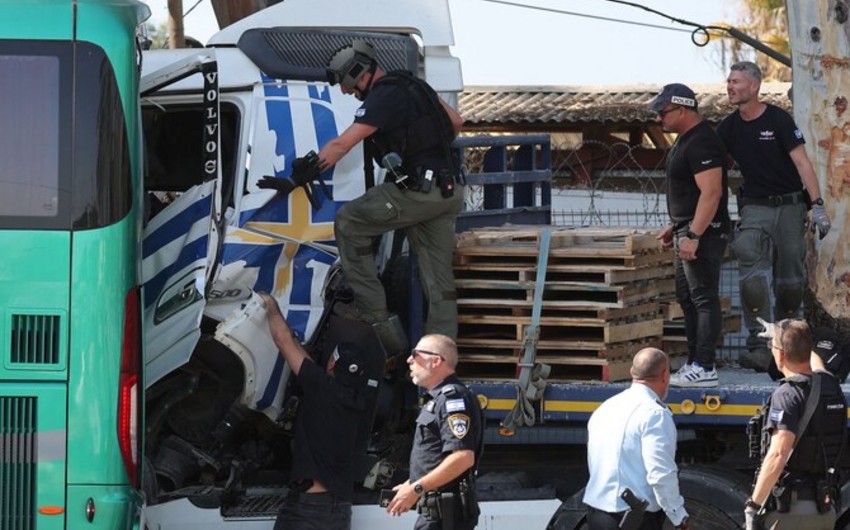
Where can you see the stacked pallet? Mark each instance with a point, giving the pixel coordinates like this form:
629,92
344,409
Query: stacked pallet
600,302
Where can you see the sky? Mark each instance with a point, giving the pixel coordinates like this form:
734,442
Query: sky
563,42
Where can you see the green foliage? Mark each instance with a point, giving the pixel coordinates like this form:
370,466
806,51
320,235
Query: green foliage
158,35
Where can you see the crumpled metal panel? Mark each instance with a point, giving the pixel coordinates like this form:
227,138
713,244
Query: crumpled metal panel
820,47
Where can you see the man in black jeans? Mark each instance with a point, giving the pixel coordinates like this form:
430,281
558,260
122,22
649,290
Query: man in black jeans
697,200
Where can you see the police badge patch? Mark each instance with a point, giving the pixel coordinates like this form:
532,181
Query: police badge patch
459,425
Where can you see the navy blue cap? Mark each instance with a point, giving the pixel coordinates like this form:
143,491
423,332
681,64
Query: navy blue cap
675,93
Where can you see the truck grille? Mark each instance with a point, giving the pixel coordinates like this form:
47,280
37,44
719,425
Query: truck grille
35,339
17,462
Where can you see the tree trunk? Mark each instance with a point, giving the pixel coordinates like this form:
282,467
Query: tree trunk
820,53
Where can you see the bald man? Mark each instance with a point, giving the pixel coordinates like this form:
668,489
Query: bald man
632,445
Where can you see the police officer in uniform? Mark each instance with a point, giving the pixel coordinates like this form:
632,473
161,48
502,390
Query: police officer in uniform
331,411
447,443
409,129
802,438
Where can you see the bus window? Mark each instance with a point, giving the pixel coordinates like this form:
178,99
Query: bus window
29,136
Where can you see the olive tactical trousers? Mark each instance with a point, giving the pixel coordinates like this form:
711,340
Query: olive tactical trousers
770,244
428,220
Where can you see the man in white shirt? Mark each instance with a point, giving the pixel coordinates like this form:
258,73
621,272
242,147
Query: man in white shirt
632,444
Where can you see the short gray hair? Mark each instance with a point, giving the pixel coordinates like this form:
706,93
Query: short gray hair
748,67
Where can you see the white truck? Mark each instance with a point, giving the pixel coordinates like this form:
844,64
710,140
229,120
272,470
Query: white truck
220,118
216,120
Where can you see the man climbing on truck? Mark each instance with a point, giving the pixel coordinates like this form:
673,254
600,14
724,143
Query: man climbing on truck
409,129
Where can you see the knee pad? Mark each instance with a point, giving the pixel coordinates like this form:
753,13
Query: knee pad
755,294
788,300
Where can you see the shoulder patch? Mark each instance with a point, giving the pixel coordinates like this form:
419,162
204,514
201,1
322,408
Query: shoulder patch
359,113
776,415
798,133
449,390
459,425
455,405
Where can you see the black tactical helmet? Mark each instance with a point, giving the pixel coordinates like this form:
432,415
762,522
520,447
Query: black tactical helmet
349,63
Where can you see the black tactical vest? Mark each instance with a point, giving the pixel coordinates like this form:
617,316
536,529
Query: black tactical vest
821,444
426,139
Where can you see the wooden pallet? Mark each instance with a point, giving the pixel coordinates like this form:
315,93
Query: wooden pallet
595,313
607,240
510,351
558,328
563,295
518,257
611,363
599,274
603,370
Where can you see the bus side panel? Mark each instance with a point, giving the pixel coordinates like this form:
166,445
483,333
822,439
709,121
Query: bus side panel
54,20
32,454
104,270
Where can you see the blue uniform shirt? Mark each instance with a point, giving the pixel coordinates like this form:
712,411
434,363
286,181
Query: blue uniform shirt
632,444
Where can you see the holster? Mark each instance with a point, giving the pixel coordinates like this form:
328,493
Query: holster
824,494
467,498
429,506
782,497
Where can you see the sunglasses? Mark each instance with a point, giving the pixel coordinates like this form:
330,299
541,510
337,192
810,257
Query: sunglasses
664,112
414,352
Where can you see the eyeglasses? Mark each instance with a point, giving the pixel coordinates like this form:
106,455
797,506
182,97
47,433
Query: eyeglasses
414,352
664,112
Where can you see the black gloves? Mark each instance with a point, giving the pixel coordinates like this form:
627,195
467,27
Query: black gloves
284,186
305,170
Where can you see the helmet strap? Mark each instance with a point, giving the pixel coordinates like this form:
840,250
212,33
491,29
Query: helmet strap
373,66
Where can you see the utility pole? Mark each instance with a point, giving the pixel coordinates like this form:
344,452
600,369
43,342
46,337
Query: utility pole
176,34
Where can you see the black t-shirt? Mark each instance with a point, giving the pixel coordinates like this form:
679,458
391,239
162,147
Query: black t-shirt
761,148
697,150
328,419
451,420
390,108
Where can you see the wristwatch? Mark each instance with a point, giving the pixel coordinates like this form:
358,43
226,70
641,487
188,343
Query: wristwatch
692,236
818,201
418,488
752,504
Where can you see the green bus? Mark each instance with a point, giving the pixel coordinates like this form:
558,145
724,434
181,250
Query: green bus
70,223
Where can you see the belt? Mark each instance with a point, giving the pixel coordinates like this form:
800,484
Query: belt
619,515
804,493
775,200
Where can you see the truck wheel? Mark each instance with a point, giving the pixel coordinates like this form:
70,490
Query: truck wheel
714,497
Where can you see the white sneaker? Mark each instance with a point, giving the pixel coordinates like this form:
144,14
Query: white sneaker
694,376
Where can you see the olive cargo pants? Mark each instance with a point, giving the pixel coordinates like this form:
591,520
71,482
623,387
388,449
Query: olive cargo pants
428,220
